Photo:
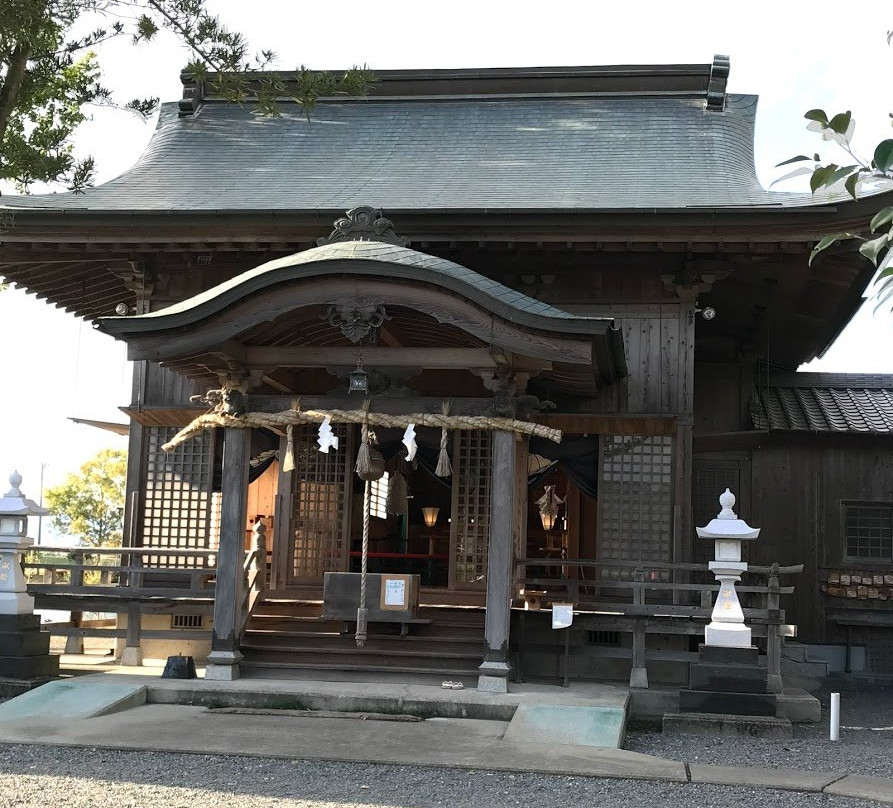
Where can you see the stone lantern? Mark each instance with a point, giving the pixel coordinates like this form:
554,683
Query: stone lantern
14,542
727,531
24,648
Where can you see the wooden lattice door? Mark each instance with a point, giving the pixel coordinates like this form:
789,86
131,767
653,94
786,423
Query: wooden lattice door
470,526
314,531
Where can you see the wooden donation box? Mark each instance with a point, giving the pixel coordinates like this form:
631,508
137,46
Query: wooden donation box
390,598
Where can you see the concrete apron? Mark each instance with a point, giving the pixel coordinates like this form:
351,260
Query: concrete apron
451,742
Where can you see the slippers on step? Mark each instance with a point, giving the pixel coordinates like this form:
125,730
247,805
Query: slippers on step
452,686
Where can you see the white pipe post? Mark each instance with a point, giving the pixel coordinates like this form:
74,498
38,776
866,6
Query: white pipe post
835,716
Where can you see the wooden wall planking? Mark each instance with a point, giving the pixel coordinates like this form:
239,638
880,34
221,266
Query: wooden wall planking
797,484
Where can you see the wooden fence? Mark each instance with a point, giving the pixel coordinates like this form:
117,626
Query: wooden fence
641,597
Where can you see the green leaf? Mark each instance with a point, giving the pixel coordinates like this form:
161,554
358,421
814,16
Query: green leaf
798,159
825,242
882,217
871,249
883,155
850,184
817,115
821,176
840,122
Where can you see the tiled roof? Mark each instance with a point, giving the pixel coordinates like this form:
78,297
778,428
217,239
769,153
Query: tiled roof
825,403
552,152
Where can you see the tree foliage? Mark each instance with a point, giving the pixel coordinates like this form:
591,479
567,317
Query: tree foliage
854,175
49,75
90,504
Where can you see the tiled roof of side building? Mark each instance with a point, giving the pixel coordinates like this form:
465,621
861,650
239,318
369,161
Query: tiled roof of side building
825,403
506,153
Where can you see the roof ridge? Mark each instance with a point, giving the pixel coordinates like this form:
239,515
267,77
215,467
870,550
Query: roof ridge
707,81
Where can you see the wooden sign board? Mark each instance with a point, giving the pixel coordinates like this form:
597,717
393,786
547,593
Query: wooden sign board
395,592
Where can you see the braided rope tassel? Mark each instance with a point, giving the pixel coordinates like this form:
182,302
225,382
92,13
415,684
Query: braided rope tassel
443,468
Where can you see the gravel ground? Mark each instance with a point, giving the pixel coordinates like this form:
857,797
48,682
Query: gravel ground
36,777
865,746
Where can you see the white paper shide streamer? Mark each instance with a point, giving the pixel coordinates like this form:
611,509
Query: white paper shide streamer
409,442
327,439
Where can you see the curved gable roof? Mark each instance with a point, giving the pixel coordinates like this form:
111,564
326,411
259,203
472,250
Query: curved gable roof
395,274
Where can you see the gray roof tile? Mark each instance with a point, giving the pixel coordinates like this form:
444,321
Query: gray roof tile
595,153
826,403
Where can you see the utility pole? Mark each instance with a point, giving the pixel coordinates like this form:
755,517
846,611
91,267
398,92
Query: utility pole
40,518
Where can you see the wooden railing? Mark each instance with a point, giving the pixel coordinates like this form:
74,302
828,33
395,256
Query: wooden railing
616,598
142,571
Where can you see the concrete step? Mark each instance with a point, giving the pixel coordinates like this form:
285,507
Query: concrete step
336,639
260,663
795,651
348,646
804,670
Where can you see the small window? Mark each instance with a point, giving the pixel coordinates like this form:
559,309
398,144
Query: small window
868,531
187,621
378,504
603,637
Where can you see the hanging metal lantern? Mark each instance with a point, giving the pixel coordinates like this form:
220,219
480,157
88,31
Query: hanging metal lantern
358,381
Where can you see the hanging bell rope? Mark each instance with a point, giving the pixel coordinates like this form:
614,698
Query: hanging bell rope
282,420
362,612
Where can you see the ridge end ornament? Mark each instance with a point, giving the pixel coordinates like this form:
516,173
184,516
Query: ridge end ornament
363,223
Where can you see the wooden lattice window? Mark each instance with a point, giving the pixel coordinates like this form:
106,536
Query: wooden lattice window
868,531
177,495
635,500
471,508
319,518
378,496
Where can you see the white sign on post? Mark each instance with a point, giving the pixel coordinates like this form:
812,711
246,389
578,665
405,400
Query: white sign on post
562,615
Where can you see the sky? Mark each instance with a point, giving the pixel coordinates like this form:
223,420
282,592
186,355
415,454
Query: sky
795,55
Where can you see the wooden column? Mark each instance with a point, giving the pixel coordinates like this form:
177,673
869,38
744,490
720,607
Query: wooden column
495,669
223,661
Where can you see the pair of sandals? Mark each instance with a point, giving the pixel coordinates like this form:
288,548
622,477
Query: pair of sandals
452,686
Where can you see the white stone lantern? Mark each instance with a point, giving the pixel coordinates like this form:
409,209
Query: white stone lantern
14,542
727,531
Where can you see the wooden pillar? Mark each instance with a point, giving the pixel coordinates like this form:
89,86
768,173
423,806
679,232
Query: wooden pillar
495,668
223,661
638,675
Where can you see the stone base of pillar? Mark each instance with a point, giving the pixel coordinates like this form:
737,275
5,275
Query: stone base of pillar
638,677
132,656
222,673
493,684
494,677
223,666
74,645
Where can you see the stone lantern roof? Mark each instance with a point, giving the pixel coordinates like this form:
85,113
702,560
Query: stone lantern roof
15,503
727,525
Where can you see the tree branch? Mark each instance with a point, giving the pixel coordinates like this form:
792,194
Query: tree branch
9,93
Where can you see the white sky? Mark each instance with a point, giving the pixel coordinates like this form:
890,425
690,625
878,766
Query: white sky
795,55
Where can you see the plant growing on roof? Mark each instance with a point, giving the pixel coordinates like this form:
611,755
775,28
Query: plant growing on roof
49,75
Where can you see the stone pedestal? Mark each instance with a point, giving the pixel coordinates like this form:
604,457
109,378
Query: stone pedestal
25,650
728,681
